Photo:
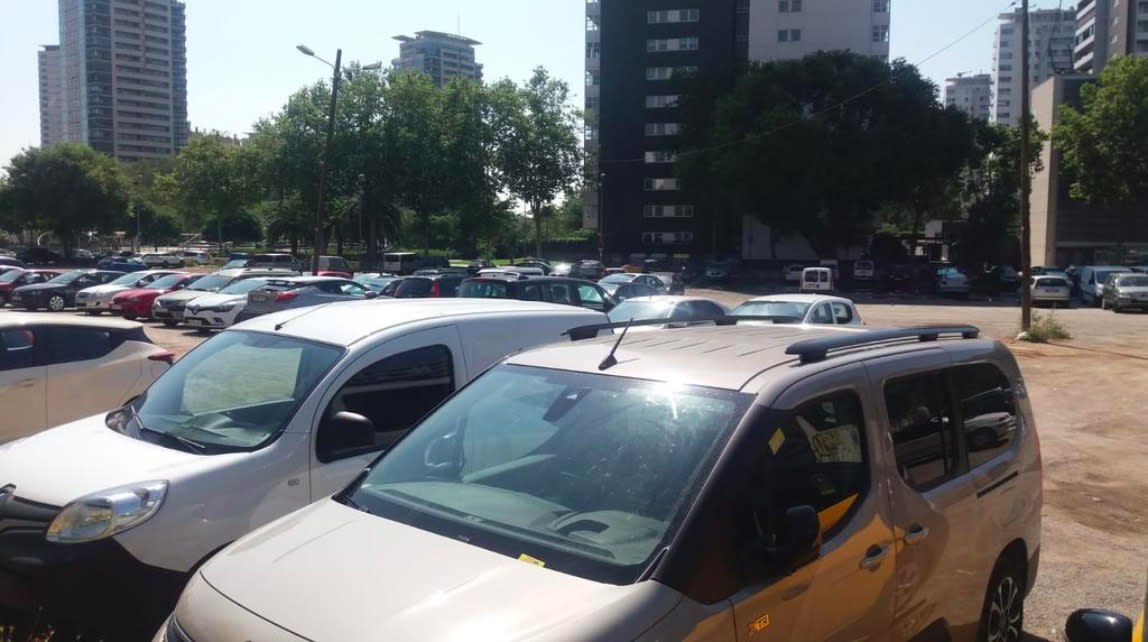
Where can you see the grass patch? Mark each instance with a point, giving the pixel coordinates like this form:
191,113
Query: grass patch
1045,328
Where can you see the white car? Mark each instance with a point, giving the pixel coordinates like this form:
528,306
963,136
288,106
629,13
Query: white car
98,298
162,259
196,257
950,280
168,308
259,420
793,272
676,311
56,369
221,309
817,279
815,309
864,270
1051,289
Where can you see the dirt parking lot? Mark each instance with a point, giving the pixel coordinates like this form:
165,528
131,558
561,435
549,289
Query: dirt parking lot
1089,396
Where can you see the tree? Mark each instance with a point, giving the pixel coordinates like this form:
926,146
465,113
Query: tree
1104,145
208,183
68,189
539,154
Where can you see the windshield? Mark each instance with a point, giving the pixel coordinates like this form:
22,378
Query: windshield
590,474
413,288
127,279
211,283
167,282
484,289
1132,281
1051,283
795,309
68,277
234,392
640,311
618,278
11,276
244,286
237,263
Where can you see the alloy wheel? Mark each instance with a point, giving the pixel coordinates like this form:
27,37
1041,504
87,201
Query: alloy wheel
56,303
1005,612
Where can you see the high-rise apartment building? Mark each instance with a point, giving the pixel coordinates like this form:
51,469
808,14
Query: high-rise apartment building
1051,34
441,55
970,94
51,99
636,51
1106,29
123,76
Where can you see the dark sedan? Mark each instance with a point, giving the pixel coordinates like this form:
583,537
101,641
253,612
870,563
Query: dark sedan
60,292
15,278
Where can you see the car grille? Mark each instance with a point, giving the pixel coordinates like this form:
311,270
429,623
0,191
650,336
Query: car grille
23,516
173,632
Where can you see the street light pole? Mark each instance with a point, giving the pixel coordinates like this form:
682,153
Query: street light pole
325,161
1025,177
602,218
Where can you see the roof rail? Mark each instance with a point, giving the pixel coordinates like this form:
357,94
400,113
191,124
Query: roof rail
591,331
815,350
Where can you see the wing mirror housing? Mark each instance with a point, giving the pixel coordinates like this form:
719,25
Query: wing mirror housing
347,431
371,294
1097,625
798,541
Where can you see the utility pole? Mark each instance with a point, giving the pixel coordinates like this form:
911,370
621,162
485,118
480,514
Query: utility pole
325,162
1025,177
602,218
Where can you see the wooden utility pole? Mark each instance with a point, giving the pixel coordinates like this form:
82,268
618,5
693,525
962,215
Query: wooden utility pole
1025,177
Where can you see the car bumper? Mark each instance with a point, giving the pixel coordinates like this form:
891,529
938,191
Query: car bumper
1063,297
37,301
210,319
94,304
134,309
166,314
1131,304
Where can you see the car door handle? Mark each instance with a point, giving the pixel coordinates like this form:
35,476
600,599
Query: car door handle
916,534
27,383
874,556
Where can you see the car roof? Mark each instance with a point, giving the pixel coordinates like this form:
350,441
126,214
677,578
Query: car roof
664,298
309,279
800,298
349,322
49,318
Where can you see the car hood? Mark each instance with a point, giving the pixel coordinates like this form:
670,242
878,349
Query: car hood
208,299
134,292
183,295
61,464
103,290
34,287
329,572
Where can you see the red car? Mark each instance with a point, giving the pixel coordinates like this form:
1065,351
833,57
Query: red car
12,279
136,304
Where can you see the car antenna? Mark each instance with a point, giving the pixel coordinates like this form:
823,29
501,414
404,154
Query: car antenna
610,361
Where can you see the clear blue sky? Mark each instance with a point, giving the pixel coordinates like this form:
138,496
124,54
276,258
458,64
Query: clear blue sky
242,62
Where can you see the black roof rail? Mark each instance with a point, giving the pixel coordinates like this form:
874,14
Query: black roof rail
590,331
815,350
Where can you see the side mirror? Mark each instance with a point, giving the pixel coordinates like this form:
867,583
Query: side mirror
346,431
371,294
1097,625
798,540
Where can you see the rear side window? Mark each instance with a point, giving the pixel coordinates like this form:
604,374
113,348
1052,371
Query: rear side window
69,345
484,289
560,293
922,424
842,313
988,410
20,348
413,288
329,287
821,314
590,297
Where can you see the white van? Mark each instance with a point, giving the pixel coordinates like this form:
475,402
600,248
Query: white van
260,420
817,279
1092,278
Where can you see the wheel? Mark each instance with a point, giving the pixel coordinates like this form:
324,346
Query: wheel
1103,303
56,303
3,300
1002,617
92,313
130,316
170,323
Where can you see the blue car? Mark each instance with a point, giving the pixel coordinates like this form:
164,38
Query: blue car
121,264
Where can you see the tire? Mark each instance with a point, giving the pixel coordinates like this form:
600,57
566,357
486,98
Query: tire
56,303
130,316
1103,303
170,323
92,313
1002,616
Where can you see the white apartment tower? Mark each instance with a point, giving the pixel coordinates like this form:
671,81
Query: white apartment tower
787,29
1051,35
970,94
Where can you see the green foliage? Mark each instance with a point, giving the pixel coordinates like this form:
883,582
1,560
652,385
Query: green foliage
1104,145
68,189
241,227
1044,329
209,183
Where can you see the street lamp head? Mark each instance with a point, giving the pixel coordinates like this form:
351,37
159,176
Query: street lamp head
374,66
305,50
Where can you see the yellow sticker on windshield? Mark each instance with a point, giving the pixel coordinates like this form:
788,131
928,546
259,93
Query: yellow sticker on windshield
776,440
531,560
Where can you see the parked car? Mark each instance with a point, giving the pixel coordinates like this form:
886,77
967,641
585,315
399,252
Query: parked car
734,473
951,280
137,303
197,257
817,279
477,264
721,270
542,266
1050,270
98,298
813,309
237,264
407,262
1051,289
622,291
434,285
1101,625
376,283
168,308
11,262
1092,279
864,270
218,310
1125,291
15,278
276,260
335,266
651,280
561,269
552,289
60,292
162,259
793,272
299,292
47,363
677,311
1002,279
39,256
261,419
121,264
588,269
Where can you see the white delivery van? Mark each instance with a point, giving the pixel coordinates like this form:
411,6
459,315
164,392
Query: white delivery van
1092,278
817,279
260,420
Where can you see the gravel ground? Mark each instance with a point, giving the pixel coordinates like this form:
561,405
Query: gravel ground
1088,395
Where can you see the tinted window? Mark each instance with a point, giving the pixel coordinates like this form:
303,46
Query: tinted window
921,422
18,348
531,292
706,310
988,409
329,287
1051,283
842,313
449,286
821,314
561,293
484,289
393,393
352,289
590,296
413,289
81,344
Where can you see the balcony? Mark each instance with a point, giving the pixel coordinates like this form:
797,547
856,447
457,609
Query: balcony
1085,44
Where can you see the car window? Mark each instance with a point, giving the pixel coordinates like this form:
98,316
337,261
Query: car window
328,287
842,312
590,297
449,286
531,292
70,344
353,289
921,422
681,312
706,310
413,288
20,348
560,293
988,410
821,314
393,393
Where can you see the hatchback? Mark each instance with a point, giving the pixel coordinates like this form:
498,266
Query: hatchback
816,309
1051,290
275,295
1125,291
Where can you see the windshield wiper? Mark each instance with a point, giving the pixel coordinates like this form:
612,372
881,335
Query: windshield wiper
190,445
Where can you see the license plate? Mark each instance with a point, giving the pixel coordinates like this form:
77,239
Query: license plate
194,321
260,297
117,306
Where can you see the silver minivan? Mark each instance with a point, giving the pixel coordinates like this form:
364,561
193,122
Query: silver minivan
721,483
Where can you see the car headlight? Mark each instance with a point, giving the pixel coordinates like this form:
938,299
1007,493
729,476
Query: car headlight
106,513
226,307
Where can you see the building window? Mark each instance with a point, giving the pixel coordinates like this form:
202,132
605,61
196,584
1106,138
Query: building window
789,35
788,6
668,211
672,44
665,73
592,78
591,24
880,33
667,238
660,156
1004,68
880,6
663,129
672,15
661,184
1005,79
661,102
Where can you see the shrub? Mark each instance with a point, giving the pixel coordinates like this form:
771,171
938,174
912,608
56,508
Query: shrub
1044,329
